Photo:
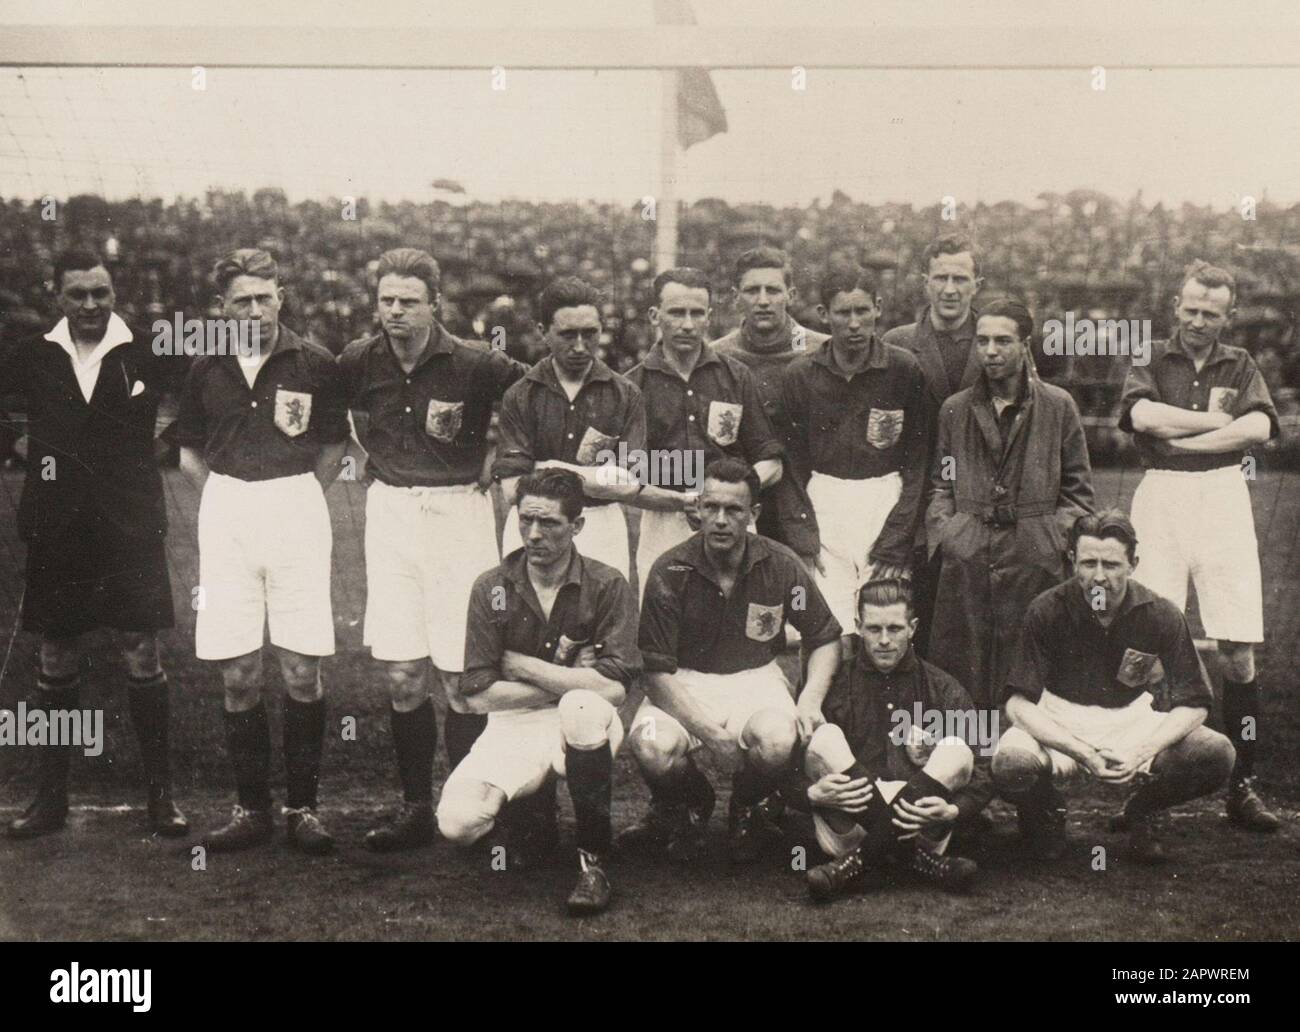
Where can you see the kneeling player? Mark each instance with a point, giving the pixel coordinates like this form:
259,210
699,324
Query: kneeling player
549,649
1080,697
712,627
879,786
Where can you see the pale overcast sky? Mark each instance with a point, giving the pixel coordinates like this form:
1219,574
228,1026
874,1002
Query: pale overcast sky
1207,136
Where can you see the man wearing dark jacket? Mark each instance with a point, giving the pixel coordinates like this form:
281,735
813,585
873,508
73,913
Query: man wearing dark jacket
93,517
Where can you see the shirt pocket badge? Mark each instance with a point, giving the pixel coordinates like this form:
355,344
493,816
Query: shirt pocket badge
592,444
442,420
292,411
724,422
763,623
884,427
1139,668
1222,399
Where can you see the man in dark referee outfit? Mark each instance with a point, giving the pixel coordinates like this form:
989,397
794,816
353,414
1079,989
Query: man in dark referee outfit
93,517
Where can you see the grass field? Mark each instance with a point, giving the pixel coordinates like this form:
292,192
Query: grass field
105,878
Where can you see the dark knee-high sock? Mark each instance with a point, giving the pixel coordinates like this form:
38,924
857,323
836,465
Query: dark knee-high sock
304,739
150,714
55,694
1241,723
882,836
840,822
590,773
415,737
460,731
248,740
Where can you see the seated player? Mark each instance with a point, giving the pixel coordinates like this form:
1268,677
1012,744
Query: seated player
712,627
880,786
1091,652
550,647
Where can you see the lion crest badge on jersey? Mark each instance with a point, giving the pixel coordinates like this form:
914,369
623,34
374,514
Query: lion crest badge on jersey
724,422
592,444
763,623
292,411
1222,399
442,420
884,427
1139,668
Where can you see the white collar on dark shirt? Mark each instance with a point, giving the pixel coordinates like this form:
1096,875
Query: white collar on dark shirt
116,333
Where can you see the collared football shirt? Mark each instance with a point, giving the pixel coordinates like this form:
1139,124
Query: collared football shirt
717,411
539,423
276,427
594,606
687,621
1065,650
428,427
1229,381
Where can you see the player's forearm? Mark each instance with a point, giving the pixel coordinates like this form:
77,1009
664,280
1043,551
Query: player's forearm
508,695
556,680
1169,421
329,463
769,471
1179,722
1045,731
822,664
608,483
658,499
666,692
193,466
1251,429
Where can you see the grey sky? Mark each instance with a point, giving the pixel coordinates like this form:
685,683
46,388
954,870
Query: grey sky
1207,136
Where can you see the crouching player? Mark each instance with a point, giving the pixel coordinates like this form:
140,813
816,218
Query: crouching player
1080,697
549,649
712,627
881,788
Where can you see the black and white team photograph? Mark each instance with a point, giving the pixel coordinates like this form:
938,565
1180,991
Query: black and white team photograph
666,470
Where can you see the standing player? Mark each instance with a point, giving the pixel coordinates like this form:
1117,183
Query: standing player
1080,697
859,428
569,410
767,340
943,340
712,624
430,530
262,439
93,517
700,406
1194,411
881,786
549,652
1010,477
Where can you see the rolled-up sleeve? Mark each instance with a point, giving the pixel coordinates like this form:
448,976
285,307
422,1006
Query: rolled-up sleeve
1138,384
1254,397
515,456
619,657
484,635
1031,665
660,628
758,439
1186,683
808,610
333,405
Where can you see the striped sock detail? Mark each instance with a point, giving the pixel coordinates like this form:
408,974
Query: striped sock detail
56,682
148,681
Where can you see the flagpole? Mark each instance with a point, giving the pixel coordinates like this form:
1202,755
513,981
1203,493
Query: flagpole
666,197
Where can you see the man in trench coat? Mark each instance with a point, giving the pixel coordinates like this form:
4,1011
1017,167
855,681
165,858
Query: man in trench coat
1010,476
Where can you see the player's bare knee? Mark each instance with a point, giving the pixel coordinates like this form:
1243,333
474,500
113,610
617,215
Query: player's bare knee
140,653
60,657
1015,769
301,676
585,719
1238,660
951,763
828,752
657,746
468,811
769,737
241,678
407,683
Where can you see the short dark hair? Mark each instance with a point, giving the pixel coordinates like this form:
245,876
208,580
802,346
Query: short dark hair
887,592
1105,523
735,471
1011,308
684,275
243,261
845,281
412,262
75,259
563,485
1211,276
566,292
764,258
951,243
